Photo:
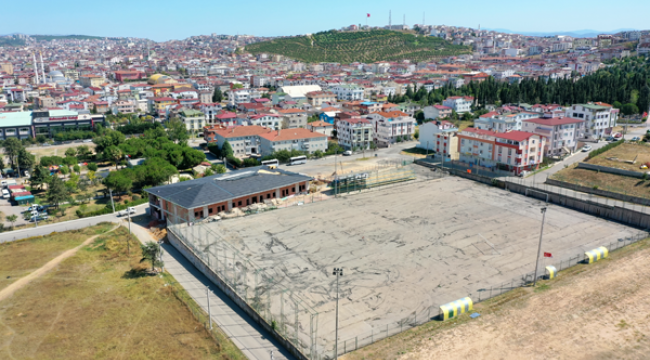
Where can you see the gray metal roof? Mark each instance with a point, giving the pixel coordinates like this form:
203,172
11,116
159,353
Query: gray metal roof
220,188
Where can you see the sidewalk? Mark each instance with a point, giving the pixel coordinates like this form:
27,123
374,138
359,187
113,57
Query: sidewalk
251,339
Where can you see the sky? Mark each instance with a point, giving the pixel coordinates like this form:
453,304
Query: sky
162,20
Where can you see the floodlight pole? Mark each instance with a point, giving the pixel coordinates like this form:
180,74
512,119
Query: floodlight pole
338,272
112,203
207,294
539,247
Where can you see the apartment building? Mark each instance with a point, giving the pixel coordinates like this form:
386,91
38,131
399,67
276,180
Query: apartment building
439,138
292,139
244,140
271,121
238,96
318,98
562,134
460,104
123,106
194,120
348,92
600,118
91,80
391,127
503,122
355,133
321,127
514,151
293,118
436,112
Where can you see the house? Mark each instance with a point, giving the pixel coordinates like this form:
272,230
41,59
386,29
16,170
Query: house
225,118
292,139
355,133
369,107
503,122
159,105
436,112
244,140
322,127
293,118
562,133
514,151
599,118
460,104
439,138
196,199
271,121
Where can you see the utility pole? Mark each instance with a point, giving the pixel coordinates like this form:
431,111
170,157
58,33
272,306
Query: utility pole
336,175
112,203
539,247
338,272
128,244
207,294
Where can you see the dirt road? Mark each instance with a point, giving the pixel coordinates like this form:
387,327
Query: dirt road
9,290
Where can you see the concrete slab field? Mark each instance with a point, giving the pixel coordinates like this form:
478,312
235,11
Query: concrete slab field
403,250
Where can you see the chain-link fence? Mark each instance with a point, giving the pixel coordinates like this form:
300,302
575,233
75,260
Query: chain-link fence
429,313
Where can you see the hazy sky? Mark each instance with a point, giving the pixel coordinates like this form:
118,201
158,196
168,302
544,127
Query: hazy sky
165,19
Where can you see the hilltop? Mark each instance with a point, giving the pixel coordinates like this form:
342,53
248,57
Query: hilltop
361,46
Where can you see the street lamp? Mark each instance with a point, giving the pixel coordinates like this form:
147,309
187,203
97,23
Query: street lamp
338,272
539,247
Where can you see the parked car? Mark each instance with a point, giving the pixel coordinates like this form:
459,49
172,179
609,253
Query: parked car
35,207
6,194
130,210
610,138
88,140
636,138
586,148
39,217
347,153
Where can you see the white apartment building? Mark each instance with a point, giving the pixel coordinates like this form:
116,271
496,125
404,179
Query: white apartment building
194,120
460,104
123,106
388,129
355,133
562,134
439,138
503,122
348,92
271,121
238,96
514,151
599,118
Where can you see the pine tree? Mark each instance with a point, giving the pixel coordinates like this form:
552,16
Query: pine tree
217,96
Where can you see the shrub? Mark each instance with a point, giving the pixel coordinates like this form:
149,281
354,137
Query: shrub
605,148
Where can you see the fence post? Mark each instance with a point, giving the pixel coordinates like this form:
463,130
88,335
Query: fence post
356,342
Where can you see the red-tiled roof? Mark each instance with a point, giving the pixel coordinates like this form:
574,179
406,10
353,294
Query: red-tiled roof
291,134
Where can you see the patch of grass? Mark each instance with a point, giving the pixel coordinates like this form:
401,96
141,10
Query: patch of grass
624,152
88,308
19,258
604,181
416,152
363,159
542,287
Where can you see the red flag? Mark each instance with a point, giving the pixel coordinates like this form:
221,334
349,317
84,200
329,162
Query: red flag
368,15
548,255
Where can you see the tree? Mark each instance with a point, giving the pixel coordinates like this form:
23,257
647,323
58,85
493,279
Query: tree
92,167
76,169
208,172
219,169
112,154
217,96
120,181
629,109
91,176
110,138
40,176
151,251
56,192
644,99
12,147
12,219
71,152
65,170
26,161
83,152
226,149
419,116
177,131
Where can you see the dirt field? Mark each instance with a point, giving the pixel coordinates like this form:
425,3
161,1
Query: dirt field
628,151
19,258
596,311
604,181
92,307
405,250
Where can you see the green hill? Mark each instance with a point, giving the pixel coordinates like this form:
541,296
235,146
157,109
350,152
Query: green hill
361,46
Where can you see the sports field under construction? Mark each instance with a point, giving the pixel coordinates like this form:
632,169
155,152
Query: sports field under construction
404,250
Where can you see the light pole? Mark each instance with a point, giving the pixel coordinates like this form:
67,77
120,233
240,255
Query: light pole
338,272
427,150
539,247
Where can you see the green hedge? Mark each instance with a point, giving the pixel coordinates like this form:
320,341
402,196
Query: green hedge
605,148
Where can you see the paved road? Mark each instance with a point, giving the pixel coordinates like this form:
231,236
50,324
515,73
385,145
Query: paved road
64,226
249,337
